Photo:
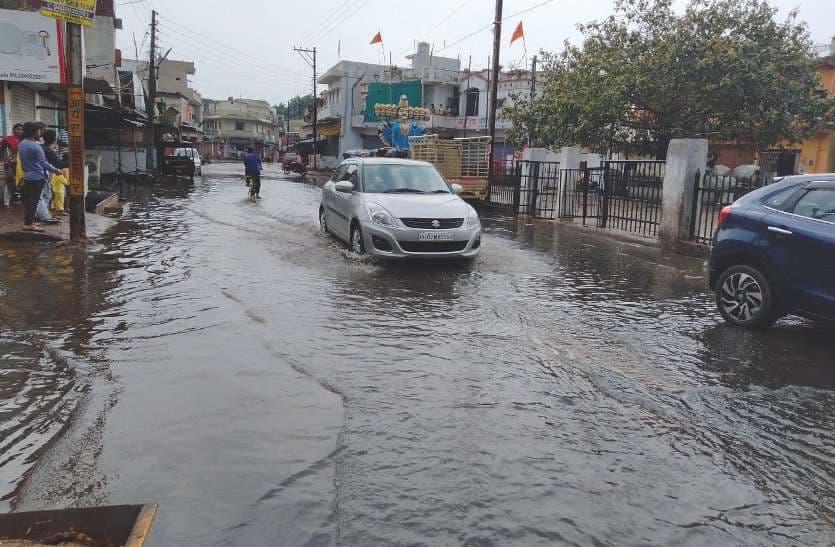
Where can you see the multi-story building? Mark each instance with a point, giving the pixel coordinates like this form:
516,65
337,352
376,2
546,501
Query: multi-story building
177,101
232,125
457,99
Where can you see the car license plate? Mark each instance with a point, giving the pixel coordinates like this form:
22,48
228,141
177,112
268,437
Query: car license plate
435,236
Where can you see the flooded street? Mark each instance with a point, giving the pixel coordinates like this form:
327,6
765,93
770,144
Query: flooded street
265,387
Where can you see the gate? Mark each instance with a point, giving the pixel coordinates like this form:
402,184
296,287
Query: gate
624,195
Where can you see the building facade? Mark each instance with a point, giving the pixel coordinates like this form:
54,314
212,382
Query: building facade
233,125
458,100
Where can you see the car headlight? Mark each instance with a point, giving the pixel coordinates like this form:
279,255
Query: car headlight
379,215
472,218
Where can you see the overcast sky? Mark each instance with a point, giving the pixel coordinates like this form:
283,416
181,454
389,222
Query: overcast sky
245,47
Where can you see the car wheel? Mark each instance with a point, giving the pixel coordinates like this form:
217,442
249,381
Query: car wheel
357,244
745,298
323,221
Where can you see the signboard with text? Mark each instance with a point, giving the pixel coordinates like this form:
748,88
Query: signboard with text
80,12
75,132
31,48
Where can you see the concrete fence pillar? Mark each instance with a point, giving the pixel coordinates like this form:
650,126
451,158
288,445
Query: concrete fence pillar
570,157
684,158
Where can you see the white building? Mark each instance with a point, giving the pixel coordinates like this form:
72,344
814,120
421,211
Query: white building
458,99
233,125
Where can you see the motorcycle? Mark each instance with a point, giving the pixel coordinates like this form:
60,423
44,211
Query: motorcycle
295,166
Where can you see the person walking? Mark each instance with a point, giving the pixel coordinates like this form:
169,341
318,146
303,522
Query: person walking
9,145
35,172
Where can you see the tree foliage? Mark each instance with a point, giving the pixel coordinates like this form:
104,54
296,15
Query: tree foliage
295,107
724,69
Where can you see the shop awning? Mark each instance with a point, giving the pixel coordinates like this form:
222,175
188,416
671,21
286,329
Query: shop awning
329,129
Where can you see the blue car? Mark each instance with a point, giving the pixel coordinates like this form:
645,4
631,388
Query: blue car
774,253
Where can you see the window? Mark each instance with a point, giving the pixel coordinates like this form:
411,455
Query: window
239,126
781,199
818,204
395,178
472,101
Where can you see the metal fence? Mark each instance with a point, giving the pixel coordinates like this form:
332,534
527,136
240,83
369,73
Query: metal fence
711,194
624,195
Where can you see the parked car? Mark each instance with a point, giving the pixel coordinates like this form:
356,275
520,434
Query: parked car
192,154
290,157
398,208
774,253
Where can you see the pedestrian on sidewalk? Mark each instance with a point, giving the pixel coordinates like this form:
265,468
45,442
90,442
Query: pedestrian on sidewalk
42,213
35,172
8,151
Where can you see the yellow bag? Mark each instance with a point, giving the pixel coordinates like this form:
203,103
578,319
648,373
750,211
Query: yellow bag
18,173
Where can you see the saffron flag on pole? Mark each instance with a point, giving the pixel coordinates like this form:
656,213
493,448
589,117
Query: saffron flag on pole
378,39
518,33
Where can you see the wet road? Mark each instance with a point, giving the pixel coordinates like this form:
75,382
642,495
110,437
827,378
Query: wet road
266,388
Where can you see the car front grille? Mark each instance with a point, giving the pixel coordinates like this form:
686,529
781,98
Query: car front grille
432,246
426,223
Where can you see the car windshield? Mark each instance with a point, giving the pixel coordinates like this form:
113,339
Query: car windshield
394,178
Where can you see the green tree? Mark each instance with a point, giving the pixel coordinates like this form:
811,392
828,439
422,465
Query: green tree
295,108
724,69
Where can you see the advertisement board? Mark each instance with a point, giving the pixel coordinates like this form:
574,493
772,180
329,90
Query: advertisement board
80,12
31,48
390,93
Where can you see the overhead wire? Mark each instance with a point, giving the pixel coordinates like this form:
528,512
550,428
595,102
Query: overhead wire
441,22
343,20
508,18
324,21
213,43
201,49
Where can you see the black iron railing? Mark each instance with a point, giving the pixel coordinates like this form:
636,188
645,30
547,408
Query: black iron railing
711,193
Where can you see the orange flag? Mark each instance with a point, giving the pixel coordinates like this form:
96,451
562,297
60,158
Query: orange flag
378,39
518,33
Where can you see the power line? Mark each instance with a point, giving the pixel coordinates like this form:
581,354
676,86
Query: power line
342,21
210,41
324,21
444,20
509,17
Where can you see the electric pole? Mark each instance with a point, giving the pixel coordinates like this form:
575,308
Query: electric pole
75,130
150,108
533,96
494,82
309,55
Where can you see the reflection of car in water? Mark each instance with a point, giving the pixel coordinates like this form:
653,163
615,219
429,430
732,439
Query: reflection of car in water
774,253
397,208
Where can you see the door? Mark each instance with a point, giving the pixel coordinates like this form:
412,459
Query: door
804,240
330,199
343,205
22,105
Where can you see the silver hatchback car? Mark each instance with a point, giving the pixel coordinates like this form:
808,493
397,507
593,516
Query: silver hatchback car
396,208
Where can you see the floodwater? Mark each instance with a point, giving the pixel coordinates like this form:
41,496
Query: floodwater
222,358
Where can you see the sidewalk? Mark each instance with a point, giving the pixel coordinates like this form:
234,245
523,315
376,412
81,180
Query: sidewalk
11,222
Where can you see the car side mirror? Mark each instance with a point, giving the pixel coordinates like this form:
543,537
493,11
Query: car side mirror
344,186
456,188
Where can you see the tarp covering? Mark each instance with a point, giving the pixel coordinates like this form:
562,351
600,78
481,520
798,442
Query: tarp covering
385,93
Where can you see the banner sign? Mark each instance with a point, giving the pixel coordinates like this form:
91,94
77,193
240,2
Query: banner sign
75,131
31,48
80,12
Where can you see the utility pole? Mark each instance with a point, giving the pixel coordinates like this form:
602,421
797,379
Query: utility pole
533,96
150,108
494,82
75,123
309,55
